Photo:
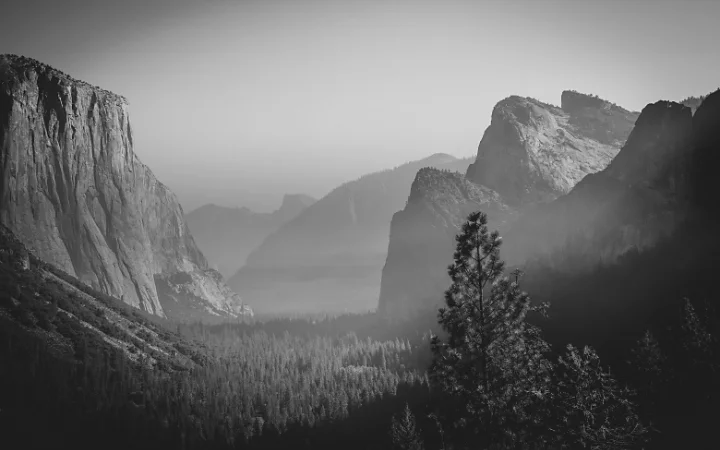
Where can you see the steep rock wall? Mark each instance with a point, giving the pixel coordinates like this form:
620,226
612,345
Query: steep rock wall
75,193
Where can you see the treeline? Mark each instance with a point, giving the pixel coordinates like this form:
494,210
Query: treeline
253,391
487,380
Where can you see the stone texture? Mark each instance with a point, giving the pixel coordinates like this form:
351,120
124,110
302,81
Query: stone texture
422,239
534,152
73,190
635,201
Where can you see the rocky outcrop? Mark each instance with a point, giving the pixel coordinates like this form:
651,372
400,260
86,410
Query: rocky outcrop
226,236
630,205
73,190
422,239
535,152
331,255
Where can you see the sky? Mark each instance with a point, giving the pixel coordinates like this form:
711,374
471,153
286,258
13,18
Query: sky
238,102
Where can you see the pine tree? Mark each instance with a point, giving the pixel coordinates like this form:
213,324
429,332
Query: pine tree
493,360
650,371
404,431
591,409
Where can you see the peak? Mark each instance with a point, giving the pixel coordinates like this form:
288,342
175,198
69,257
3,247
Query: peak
661,134
572,101
440,158
445,185
294,204
17,68
659,110
296,199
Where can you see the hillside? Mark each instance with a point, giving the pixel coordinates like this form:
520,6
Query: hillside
226,236
91,371
73,190
330,257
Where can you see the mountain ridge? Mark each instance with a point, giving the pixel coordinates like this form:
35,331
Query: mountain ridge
339,243
531,153
227,235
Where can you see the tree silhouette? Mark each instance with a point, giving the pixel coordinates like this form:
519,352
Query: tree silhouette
493,360
404,431
591,409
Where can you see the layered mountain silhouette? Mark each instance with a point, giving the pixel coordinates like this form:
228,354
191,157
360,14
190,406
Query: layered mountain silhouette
74,192
618,253
226,236
631,204
329,258
531,154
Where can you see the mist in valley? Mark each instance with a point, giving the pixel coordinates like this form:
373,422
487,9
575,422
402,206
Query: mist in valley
374,225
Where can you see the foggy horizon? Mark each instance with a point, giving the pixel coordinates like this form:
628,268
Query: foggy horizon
240,103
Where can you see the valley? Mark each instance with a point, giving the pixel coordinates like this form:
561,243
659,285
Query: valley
553,290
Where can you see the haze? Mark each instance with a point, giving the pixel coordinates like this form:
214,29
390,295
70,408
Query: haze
237,103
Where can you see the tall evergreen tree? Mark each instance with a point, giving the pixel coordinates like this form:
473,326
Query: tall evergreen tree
404,431
492,359
590,407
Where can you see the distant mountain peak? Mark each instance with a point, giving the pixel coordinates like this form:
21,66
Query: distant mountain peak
295,200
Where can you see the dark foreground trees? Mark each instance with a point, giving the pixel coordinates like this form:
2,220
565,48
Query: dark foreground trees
497,366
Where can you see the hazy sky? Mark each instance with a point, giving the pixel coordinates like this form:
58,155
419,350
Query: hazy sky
236,102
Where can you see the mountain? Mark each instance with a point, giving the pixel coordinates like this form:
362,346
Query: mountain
329,258
618,254
534,152
227,235
422,239
531,153
40,302
73,191
630,204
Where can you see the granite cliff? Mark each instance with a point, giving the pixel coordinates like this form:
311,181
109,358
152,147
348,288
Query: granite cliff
617,255
422,239
535,152
73,191
226,236
531,153
629,205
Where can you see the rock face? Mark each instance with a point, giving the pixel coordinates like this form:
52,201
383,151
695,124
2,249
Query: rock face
226,236
630,205
75,193
330,257
534,152
422,239
616,256
530,154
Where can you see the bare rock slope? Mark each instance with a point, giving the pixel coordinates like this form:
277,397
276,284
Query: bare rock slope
534,152
73,191
629,205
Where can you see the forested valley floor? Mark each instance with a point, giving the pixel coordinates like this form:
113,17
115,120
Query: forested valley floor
351,381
